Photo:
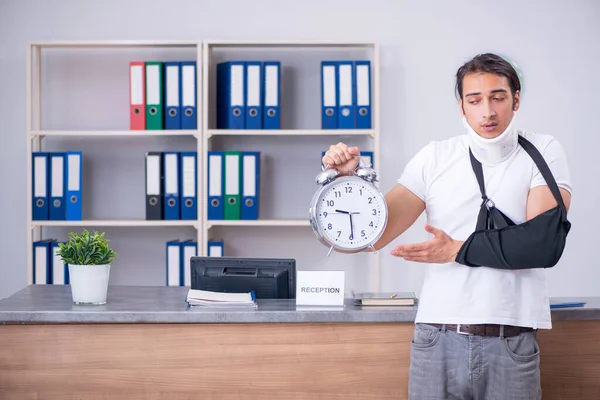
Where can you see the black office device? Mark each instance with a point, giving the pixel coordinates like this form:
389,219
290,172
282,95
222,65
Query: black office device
270,278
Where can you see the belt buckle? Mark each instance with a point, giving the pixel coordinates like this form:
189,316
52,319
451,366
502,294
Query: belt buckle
462,333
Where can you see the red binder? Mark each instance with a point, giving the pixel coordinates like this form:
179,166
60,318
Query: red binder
137,95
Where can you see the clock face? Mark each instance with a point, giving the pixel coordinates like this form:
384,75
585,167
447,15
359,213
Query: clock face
351,213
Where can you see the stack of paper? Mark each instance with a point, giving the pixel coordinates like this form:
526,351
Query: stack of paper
218,299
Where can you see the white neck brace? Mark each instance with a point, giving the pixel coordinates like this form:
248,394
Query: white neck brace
492,151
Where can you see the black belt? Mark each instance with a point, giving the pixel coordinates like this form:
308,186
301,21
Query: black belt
484,329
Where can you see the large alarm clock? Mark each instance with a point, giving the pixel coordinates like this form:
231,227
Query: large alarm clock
348,213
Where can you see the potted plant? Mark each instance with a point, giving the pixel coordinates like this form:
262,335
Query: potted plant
89,258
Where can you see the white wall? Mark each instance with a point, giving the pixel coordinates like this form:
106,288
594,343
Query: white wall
422,45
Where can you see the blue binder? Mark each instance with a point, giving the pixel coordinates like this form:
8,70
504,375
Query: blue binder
42,261
253,94
39,183
172,90
189,249
73,179
216,185
57,210
173,272
188,178
60,270
171,172
329,95
189,93
272,95
231,88
216,248
345,94
366,157
250,185
362,76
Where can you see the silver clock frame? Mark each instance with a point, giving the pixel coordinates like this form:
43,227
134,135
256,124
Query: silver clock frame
325,179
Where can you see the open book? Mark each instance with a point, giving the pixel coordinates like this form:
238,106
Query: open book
218,299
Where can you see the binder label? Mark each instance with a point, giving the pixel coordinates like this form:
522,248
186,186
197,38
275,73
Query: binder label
188,93
362,87
137,85
172,86
40,177
237,85
74,170
271,86
189,177
171,174
329,86
153,89
253,85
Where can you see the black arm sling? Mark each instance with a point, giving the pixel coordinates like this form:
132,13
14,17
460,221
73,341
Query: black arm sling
500,243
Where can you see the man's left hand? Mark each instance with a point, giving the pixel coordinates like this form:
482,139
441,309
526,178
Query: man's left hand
440,249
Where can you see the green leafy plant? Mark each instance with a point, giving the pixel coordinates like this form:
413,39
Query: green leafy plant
86,249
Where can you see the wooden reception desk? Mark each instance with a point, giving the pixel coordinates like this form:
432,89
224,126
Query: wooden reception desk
147,344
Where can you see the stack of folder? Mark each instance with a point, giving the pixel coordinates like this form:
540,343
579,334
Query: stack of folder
233,185
249,95
162,95
48,267
179,253
346,94
171,190
56,185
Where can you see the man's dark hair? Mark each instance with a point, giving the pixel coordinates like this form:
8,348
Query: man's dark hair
491,63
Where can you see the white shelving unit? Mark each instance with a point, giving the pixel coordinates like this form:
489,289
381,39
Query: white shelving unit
208,53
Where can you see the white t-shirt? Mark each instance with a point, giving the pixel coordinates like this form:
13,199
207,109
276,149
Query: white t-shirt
442,176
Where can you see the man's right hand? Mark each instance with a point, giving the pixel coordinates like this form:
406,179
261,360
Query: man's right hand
341,157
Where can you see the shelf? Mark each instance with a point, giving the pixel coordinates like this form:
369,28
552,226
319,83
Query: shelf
259,222
301,57
288,43
118,222
290,132
83,133
116,43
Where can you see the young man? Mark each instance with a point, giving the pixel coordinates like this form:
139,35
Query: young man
476,327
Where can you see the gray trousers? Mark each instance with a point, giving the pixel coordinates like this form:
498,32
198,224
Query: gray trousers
448,365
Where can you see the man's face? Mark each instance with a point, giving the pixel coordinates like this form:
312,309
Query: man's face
487,103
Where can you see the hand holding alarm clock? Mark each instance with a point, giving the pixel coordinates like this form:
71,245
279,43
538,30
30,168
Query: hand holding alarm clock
348,213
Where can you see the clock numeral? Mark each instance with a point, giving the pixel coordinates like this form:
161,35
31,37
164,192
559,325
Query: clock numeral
360,190
329,226
348,189
351,237
339,233
338,194
374,211
362,233
330,203
325,214
370,200
371,224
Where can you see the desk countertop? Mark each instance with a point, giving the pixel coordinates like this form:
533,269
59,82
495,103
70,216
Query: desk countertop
161,304
157,304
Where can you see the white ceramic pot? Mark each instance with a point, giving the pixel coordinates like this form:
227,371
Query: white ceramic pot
89,283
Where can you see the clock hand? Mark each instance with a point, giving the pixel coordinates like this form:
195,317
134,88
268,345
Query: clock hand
343,212
351,227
